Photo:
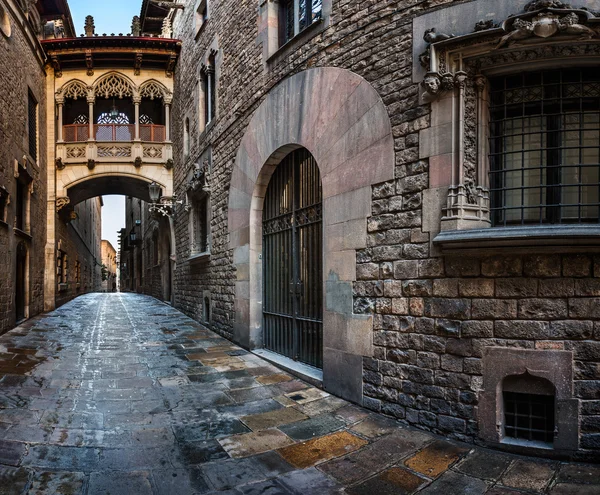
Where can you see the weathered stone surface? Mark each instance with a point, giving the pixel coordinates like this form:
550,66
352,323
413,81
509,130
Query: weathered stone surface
309,453
529,475
394,481
435,458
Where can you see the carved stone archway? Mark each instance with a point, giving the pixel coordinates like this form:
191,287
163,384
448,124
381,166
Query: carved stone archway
341,120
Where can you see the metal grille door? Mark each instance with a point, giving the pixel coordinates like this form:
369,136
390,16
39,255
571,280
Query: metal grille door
292,260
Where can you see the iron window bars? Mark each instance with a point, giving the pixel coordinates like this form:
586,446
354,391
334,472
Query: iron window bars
296,16
544,161
32,111
529,417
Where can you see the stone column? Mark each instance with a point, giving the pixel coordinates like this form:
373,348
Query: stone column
168,102
60,102
137,100
91,99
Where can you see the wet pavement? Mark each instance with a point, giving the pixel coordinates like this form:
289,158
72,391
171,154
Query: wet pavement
122,394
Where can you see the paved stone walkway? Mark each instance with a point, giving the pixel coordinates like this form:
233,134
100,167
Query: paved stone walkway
121,394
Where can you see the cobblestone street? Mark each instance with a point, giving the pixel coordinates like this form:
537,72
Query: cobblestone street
121,394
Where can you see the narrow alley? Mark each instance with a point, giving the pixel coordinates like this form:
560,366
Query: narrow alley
122,394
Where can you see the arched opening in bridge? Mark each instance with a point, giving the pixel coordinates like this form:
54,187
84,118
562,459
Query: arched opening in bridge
124,258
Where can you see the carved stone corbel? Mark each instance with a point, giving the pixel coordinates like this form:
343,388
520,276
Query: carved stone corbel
59,164
62,202
91,164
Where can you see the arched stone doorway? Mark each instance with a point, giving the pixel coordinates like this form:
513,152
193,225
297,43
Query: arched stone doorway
293,260
340,119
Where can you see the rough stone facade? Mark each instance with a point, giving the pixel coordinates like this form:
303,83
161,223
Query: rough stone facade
24,165
434,314
16,164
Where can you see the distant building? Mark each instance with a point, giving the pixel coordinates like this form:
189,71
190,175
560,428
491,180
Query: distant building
109,267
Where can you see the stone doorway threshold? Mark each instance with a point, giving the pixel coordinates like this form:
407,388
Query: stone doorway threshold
309,374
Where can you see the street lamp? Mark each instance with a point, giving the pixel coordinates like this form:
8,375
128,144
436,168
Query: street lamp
160,204
154,190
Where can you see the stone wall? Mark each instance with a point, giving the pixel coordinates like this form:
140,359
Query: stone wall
80,238
21,71
432,314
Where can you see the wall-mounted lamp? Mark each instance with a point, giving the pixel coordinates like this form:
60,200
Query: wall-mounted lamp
160,204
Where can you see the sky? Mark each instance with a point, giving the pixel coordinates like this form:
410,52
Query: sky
110,16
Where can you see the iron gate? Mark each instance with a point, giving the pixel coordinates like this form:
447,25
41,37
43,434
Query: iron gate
292,260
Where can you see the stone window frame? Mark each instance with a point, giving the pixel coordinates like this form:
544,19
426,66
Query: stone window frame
199,207
554,366
269,18
201,16
208,87
24,186
456,142
33,128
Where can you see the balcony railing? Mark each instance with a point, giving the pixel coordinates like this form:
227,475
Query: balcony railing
78,133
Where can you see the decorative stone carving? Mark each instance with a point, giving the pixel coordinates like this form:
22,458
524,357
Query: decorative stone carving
482,25
62,202
546,24
545,4
56,66
74,90
167,28
138,162
171,65
137,65
114,85
152,89
200,180
91,164
169,164
59,164
431,36
136,27
89,26
89,62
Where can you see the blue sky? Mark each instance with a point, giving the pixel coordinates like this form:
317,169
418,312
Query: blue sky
110,16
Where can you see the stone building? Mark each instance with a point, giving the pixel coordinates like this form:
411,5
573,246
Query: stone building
399,200
111,98
109,267
24,148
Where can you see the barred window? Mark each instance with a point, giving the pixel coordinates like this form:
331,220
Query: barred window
545,147
296,16
32,118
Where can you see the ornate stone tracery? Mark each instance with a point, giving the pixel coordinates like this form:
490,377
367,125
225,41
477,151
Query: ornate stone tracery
113,85
153,89
75,90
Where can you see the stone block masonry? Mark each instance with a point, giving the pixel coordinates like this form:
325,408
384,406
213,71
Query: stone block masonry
433,314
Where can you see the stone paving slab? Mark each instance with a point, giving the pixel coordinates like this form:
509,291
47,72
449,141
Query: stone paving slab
122,394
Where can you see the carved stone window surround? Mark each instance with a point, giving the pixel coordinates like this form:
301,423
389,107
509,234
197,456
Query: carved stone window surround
556,367
456,142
